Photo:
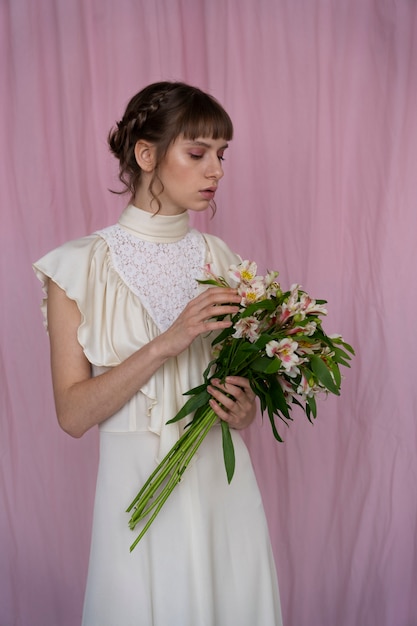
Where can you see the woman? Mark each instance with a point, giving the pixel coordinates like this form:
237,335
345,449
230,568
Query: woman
130,329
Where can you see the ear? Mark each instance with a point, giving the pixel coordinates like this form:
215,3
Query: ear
145,154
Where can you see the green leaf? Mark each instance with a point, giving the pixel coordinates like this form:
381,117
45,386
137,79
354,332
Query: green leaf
341,361
278,398
272,421
248,347
228,451
262,341
347,346
297,402
191,405
341,356
195,391
311,404
226,332
260,388
336,374
274,366
261,364
211,281
323,374
264,305
242,351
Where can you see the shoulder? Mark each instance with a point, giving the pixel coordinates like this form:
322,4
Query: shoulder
73,265
77,251
219,252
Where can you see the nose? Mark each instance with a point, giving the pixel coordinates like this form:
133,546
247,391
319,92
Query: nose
215,169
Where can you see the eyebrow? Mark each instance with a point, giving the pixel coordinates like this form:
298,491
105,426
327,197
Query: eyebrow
206,145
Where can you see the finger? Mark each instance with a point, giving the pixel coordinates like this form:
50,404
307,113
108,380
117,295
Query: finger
220,411
222,399
236,386
219,296
242,383
238,381
215,310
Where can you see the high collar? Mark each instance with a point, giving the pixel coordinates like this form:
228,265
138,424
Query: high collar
155,227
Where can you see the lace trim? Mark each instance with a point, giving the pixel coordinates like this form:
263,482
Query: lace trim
162,275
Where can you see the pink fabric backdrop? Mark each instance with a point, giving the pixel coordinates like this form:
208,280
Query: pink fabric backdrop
320,183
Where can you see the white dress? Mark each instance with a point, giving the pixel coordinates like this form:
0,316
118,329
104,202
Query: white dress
206,560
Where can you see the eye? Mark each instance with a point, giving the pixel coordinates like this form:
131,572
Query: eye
221,157
194,155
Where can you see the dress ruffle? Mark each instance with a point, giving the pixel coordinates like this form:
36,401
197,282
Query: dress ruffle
83,268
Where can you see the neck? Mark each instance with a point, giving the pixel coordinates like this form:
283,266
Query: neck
154,227
143,199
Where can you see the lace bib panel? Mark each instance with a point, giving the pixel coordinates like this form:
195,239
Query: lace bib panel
162,275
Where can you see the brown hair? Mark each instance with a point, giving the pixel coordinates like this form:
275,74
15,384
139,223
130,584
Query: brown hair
159,114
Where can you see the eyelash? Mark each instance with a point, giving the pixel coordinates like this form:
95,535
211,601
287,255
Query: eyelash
200,156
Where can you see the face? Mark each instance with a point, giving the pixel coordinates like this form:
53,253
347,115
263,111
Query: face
190,173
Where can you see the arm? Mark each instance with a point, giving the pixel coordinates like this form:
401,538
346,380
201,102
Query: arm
82,401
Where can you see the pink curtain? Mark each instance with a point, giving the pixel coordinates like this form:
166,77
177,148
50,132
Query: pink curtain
320,183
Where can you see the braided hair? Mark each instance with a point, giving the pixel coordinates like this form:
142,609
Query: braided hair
160,113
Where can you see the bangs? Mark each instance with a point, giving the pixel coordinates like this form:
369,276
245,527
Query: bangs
205,117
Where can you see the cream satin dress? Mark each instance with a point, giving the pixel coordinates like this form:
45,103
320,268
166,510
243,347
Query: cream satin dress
207,559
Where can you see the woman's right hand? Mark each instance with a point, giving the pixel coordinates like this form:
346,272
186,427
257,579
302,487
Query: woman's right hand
201,316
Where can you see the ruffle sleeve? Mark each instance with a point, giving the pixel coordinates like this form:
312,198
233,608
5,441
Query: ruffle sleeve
113,324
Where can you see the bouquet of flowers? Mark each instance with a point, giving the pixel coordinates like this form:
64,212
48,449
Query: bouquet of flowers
276,341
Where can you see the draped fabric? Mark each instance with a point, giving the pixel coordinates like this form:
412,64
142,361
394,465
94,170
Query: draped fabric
320,184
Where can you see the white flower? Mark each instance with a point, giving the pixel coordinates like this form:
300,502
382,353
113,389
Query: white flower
304,389
310,328
285,351
247,327
209,271
291,306
251,292
287,388
309,306
272,286
245,272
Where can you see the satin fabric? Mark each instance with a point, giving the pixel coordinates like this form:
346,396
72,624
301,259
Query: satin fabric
207,559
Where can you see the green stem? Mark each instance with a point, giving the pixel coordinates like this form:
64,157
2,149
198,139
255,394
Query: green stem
167,463
174,465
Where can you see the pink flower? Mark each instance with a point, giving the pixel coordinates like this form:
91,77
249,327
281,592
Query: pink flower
304,389
287,388
308,329
291,306
285,351
308,388
247,327
308,306
208,270
210,274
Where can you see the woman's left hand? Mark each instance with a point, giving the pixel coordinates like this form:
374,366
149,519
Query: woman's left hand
233,401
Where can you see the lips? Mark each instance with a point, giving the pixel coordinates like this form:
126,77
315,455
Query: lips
208,193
